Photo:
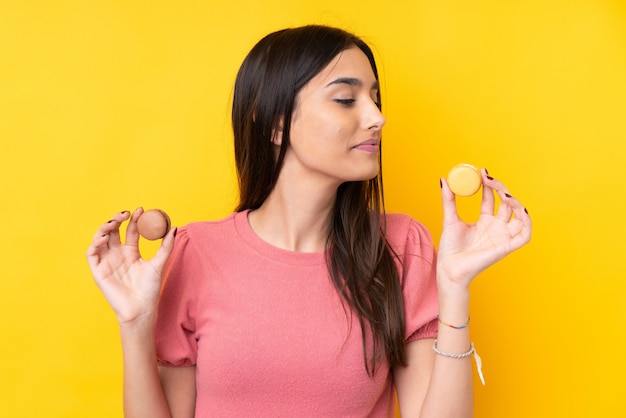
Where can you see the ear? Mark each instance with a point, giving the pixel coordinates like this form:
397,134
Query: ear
277,135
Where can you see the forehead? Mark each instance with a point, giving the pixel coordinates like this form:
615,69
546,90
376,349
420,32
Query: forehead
350,63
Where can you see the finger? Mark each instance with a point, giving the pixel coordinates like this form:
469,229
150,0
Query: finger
499,188
94,251
527,225
520,233
132,232
522,216
107,227
487,204
114,230
450,214
164,251
505,210
507,205
520,226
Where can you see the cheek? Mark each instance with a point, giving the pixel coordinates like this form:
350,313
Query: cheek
311,129
330,128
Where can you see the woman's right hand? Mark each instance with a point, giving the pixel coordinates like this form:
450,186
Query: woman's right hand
130,284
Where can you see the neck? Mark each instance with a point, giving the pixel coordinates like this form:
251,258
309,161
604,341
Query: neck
296,215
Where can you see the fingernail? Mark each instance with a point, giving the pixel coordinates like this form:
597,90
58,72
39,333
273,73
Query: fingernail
526,210
175,232
486,171
507,195
490,178
103,235
440,183
124,212
110,221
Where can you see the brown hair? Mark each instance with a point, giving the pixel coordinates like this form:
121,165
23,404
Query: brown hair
360,261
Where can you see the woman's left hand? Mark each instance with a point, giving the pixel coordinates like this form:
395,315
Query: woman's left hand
467,249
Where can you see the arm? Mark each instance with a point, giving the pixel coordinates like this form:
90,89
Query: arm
437,386
413,380
144,395
179,386
132,285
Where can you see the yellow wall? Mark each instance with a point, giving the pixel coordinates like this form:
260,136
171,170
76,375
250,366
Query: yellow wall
106,106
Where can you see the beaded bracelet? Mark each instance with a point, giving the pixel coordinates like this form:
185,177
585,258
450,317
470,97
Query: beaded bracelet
465,325
472,350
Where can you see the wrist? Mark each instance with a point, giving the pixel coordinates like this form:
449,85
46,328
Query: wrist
449,325
454,304
142,325
454,274
452,290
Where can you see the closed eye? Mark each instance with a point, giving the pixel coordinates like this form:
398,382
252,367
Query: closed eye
345,102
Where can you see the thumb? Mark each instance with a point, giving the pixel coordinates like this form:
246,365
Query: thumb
164,251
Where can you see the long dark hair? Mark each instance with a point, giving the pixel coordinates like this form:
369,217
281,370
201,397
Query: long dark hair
360,261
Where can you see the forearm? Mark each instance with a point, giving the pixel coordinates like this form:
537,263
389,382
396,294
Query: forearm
450,392
143,393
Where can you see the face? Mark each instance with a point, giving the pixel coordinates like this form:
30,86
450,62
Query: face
336,125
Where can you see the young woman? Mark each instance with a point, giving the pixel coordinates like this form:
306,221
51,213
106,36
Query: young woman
309,300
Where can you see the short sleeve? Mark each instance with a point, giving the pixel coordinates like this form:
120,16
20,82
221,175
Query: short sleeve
176,343
418,276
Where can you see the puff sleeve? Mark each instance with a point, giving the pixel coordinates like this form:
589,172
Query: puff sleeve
417,269
176,343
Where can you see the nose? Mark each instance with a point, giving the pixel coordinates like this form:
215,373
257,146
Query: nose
374,118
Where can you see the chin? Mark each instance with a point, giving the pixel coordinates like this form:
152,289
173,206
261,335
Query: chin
366,175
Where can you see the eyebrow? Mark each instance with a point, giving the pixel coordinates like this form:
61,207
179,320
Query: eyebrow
352,82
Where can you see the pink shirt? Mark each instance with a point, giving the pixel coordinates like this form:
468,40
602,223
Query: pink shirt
266,329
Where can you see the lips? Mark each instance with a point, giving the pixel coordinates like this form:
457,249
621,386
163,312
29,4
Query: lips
371,145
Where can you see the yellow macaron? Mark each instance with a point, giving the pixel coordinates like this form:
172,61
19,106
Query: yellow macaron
464,179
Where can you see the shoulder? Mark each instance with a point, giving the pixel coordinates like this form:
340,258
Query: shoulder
402,230
416,256
203,233
198,248
198,243
200,228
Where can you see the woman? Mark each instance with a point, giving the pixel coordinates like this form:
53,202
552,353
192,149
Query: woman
308,300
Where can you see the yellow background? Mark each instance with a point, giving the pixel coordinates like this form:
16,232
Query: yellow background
109,105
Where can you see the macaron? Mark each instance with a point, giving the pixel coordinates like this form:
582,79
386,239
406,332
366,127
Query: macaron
153,224
464,179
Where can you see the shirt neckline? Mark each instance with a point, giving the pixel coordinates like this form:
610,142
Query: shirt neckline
274,253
